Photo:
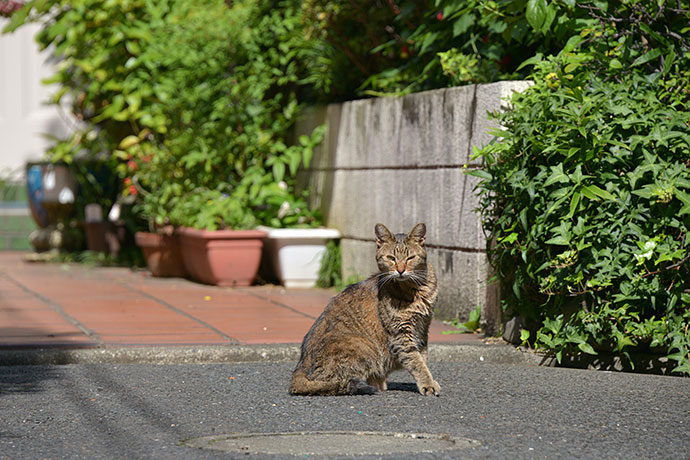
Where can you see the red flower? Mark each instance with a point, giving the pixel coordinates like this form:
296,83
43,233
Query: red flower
9,7
133,190
128,181
439,16
131,164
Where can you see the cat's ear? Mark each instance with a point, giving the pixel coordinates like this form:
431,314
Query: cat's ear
418,234
382,234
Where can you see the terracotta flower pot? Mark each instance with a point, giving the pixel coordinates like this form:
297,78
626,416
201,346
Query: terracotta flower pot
162,253
222,257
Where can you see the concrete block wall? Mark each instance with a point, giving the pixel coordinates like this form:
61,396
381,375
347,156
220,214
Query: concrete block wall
400,161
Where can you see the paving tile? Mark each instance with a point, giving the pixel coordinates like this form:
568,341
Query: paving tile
122,307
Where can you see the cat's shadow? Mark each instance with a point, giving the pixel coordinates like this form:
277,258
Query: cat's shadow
402,386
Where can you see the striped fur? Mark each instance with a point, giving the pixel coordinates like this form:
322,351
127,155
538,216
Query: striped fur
374,327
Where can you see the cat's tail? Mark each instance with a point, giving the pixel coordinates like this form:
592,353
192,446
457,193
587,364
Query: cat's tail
301,385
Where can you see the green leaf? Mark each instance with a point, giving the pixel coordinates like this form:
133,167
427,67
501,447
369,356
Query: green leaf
510,239
428,41
587,192
559,240
473,321
294,161
570,68
463,23
682,196
111,110
278,171
536,13
572,43
307,153
586,348
557,175
134,102
128,142
548,18
531,61
479,173
682,368
598,192
645,58
574,202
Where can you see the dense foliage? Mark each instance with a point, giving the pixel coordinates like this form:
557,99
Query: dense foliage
182,97
586,194
386,47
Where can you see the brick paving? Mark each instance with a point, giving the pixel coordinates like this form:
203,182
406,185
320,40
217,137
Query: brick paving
50,305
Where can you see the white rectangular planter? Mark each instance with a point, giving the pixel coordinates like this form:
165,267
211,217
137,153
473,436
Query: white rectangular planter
296,253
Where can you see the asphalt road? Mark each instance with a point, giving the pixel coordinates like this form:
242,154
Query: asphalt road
514,412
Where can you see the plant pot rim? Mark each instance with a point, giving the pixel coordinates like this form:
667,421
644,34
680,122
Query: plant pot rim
220,234
148,238
301,233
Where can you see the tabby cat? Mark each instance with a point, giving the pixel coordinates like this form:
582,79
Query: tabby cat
374,327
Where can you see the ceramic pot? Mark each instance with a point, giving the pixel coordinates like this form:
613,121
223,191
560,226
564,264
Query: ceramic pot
295,253
162,253
51,189
222,257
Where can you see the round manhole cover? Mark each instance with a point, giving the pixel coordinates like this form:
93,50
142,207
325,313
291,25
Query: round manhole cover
331,443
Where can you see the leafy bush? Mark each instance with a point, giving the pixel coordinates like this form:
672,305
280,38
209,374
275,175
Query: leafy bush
381,48
181,95
586,195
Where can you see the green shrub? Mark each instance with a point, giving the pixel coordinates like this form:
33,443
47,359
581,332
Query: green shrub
586,194
383,48
182,95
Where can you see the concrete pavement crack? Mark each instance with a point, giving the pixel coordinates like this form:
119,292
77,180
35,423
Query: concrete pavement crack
282,305
58,309
183,313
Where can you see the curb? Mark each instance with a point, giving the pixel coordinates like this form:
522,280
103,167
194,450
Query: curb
497,354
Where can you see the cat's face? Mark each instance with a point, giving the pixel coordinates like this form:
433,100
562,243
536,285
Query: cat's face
401,257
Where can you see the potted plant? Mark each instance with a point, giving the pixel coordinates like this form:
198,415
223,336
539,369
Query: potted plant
296,253
295,241
162,251
218,243
147,168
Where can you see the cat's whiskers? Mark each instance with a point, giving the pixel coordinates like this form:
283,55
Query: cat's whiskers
383,278
416,279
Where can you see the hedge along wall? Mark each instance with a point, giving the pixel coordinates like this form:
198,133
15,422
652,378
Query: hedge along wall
400,161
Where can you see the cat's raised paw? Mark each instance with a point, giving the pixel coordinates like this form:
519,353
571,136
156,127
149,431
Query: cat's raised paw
433,389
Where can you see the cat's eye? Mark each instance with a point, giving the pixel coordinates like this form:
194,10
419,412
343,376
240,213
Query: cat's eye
411,258
391,258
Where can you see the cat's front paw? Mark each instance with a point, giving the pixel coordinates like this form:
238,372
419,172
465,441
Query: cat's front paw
432,388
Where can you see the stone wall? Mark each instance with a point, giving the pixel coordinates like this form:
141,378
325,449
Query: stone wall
400,161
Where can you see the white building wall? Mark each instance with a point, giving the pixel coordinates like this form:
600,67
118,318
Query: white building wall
25,116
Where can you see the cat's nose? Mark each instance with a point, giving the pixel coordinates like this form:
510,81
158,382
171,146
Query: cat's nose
400,270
